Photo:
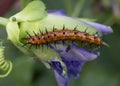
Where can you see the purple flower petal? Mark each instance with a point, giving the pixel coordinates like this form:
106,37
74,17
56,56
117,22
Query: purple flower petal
57,12
74,57
100,27
62,80
58,70
56,66
74,67
84,54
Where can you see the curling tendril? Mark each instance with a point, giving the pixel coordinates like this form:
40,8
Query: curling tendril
5,65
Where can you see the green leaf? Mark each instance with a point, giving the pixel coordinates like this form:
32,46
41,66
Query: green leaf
35,10
13,32
59,21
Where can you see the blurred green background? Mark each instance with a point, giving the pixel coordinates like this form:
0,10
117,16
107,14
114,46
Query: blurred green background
104,71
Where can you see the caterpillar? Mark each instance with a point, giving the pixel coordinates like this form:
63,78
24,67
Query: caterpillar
62,35
5,65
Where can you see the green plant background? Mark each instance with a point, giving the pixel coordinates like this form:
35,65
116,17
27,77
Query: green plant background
104,71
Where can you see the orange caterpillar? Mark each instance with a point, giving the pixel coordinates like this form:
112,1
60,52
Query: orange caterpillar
62,35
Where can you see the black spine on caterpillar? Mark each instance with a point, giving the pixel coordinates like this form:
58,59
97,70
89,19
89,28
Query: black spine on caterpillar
62,35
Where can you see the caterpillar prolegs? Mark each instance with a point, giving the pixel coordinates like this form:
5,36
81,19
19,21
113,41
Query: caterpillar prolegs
5,65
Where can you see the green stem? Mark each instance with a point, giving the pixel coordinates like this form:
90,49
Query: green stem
3,21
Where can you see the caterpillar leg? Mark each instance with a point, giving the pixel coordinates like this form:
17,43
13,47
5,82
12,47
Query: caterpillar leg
5,65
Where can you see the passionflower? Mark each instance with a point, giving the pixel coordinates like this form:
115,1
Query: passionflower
65,58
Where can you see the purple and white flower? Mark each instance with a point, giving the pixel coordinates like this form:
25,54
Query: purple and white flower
74,57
